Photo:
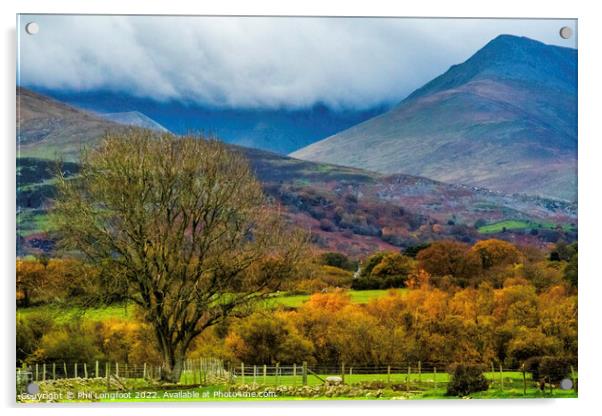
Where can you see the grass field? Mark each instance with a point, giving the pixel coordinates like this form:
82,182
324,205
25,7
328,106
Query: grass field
31,222
500,226
426,389
511,379
357,296
206,394
64,313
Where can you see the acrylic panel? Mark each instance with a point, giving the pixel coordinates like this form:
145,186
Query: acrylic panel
215,208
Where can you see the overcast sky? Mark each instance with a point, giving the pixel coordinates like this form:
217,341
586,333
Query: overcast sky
257,62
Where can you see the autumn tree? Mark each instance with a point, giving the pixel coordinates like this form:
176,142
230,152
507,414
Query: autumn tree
30,277
268,338
496,253
450,258
178,226
384,271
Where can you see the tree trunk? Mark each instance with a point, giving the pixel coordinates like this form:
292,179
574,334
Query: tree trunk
172,367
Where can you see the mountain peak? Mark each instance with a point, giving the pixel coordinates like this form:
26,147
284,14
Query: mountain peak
510,57
505,119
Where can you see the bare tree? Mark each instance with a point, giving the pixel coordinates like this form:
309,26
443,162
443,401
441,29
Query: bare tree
180,227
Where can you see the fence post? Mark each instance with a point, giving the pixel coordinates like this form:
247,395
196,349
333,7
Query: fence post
85,370
501,378
435,376
524,379
574,379
388,374
242,373
75,370
294,374
202,368
492,374
305,373
343,372
65,369
419,371
277,374
408,378
96,373
44,372
116,369
254,375
192,367
36,371
54,371
108,374
143,371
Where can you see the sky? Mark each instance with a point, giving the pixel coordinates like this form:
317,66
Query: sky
257,62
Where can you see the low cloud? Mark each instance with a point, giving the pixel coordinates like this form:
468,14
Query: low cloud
257,62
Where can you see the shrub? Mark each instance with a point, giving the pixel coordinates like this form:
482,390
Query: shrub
268,338
552,369
339,260
30,330
466,379
365,283
70,343
384,271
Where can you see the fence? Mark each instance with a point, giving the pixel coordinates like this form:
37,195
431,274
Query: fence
193,371
408,376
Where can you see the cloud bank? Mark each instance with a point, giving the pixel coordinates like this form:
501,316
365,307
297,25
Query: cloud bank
257,62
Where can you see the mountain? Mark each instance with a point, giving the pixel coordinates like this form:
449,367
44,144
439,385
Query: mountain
506,119
46,127
134,118
278,130
347,209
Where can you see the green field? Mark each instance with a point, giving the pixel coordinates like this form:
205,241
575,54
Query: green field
63,313
422,386
31,222
500,226
511,379
357,296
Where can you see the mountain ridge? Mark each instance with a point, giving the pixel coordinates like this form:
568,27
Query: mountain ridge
496,129
134,118
347,209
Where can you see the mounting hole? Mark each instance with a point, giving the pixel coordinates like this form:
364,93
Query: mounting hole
33,388
566,32
32,28
566,384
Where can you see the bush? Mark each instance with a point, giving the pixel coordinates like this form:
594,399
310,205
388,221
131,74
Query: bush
30,331
72,342
365,283
339,260
552,369
384,271
466,379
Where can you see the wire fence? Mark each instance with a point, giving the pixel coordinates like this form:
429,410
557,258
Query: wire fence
408,376
193,371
